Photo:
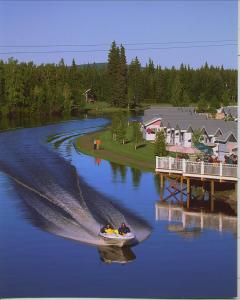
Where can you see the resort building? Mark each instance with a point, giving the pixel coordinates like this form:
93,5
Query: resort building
227,112
180,124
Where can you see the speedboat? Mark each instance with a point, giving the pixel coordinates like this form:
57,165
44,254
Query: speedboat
118,239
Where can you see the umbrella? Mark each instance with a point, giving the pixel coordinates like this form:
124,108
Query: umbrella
203,148
181,149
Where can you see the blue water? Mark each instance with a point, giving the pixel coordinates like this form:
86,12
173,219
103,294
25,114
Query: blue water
38,262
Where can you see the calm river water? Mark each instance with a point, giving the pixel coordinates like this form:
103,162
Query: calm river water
54,201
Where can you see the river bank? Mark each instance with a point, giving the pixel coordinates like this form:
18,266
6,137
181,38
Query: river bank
143,158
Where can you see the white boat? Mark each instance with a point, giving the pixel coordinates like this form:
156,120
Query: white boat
118,239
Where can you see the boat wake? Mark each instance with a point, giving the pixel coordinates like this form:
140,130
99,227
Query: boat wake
59,200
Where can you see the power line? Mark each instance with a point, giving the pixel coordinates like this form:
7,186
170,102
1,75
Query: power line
106,50
108,44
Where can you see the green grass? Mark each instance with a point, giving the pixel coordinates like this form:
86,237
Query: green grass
102,107
144,152
143,158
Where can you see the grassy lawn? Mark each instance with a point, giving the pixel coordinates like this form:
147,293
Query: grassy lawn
142,158
102,107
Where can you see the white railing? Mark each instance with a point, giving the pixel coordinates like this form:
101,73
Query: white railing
170,164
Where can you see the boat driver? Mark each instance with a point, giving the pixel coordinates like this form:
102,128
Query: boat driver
123,229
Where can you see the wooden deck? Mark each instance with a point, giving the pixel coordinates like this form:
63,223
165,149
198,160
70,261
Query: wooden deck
190,169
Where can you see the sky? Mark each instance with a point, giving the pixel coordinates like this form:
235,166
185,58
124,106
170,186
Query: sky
167,24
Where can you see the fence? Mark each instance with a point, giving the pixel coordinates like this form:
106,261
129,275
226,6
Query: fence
201,169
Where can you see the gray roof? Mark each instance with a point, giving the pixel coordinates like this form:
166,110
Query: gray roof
168,110
173,117
226,136
231,110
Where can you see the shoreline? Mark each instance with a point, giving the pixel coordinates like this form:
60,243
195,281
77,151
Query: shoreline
84,144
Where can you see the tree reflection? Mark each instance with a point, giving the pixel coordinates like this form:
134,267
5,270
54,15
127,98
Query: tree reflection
136,176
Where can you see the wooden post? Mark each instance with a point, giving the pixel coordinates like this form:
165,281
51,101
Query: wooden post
202,224
161,186
212,195
161,180
188,192
156,212
203,189
181,186
236,191
169,214
220,228
183,219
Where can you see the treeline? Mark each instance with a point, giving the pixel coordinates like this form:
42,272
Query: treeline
57,89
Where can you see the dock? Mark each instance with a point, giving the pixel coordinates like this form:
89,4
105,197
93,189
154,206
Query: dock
202,170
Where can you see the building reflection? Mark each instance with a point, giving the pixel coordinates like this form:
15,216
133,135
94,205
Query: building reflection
190,217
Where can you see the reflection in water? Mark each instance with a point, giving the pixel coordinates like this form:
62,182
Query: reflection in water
136,176
116,255
197,209
193,217
98,161
183,231
118,169
63,203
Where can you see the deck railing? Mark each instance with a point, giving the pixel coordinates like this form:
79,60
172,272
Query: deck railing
200,169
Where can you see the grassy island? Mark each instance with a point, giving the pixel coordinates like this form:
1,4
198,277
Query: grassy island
142,158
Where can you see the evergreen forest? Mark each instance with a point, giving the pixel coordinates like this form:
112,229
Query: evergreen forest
57,89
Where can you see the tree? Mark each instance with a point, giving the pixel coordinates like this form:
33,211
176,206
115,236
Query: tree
202,105
135,83
67,94
114,127
136,134
214,104
121,130
197,136
176,93
225,98
57,88
186,101
160,144
136,176
122,97
114,74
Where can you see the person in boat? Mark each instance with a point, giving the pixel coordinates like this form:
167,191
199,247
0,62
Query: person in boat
123,229
107,229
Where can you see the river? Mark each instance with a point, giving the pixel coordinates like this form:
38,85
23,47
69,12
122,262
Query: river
53,203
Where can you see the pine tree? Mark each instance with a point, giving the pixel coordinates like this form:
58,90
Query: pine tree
122,78
176,93
160,144
114,127
135,83
114,74
185,99
136,176
202,105
136,134
225,101
121,130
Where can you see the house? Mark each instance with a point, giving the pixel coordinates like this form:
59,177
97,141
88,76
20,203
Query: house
179,127
227,144
150,128
90,96
227,112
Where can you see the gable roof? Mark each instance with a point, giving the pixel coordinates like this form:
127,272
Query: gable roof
226,136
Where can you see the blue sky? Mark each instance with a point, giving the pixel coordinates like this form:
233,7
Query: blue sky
101,22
